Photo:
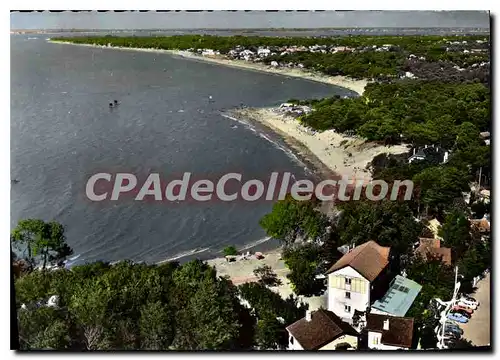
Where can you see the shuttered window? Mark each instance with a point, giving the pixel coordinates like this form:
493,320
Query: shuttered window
357,285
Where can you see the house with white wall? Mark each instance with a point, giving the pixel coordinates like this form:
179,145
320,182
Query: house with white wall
321,330
352,279
389,332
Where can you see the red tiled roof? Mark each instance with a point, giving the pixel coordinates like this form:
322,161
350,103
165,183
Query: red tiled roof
482,225
400,332
430,248
323,328
369,259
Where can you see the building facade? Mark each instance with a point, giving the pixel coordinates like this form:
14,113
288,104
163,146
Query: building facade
353,278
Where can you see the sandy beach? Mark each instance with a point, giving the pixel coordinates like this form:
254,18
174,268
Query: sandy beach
241,271
328,151
357,86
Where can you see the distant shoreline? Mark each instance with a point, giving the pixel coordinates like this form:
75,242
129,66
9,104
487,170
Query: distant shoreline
358,86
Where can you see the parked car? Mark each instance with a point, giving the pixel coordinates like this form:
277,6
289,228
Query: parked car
451,334
450,343
463,308
455,330
469,305
461,312
447,335
467,301
458,318
469,298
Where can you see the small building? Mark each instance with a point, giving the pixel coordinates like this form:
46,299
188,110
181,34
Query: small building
321,330
485,136
398,299
431,248
484,195
434,225
481,225
353,278
389,332
437,153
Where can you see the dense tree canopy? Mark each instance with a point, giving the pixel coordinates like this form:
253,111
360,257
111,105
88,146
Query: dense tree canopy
291,219
414,111
138,306
41,241
303,262
390,223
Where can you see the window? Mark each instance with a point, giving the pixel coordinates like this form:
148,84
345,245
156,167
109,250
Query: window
347,308
348,281
291,340
347,295
375,340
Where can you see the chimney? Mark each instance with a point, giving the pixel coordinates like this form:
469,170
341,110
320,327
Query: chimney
308,315
386,324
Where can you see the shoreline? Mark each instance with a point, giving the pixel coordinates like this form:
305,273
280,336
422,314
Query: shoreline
297,148
357,86
331,154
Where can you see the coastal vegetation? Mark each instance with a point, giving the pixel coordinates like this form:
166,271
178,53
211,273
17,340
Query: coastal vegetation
40,241
230,251
292,219
130,306
410,111
267,276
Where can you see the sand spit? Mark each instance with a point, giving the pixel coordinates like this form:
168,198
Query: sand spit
357,86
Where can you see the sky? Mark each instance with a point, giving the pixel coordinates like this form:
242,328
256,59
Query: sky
253,19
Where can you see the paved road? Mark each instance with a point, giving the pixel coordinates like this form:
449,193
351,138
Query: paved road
478,329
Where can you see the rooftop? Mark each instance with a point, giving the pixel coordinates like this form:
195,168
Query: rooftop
400,332
369,259
431,248
484,135
434,226
322,329
481,224
398,299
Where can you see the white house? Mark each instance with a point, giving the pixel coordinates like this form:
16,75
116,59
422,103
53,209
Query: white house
389,332
321,330
350,279
439,153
